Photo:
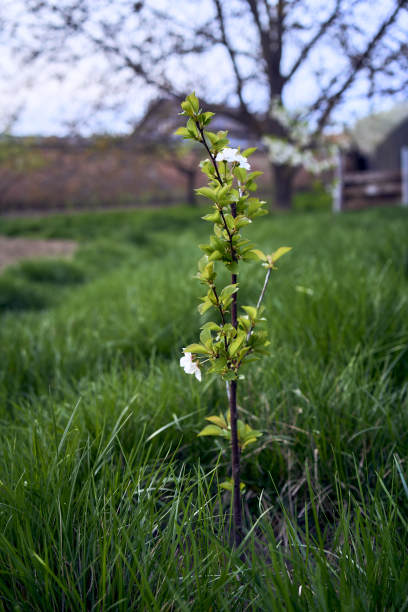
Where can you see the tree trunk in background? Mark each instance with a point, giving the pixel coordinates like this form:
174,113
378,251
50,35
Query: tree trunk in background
283,185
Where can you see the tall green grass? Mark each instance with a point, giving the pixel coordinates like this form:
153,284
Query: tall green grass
108,498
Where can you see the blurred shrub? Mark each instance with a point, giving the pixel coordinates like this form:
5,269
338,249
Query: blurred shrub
18,295
55,271
317,198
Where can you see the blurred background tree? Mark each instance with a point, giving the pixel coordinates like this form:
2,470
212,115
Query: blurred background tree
241,56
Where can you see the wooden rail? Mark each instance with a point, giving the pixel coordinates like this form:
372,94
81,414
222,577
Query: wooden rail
363,189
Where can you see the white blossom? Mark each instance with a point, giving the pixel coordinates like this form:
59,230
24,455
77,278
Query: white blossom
298,149
231,156
190,366
295,127
284,152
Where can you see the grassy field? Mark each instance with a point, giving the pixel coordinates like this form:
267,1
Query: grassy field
109,501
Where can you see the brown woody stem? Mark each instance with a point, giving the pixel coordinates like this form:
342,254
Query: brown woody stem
235,450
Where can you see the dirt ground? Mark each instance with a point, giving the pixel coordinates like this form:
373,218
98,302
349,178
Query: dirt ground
14,249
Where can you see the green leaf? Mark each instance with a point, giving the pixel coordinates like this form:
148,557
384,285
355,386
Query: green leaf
209,193
229,485
228,291
192,98
245,323
211,430
249,436
251,311
235,345
223,191
259,254
211,326
254,174
218,420
212,217
202,308
243,352
241,221
208,274
197,348
207,248
188,108
240,174
192,128
206,338
249,151
229,219
219,365
206,117
249,256
279,252
182,131
211,136
255,207
202,262
250,441
215,255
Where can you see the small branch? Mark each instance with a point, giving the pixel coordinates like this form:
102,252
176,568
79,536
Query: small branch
201,130
261,297
214,290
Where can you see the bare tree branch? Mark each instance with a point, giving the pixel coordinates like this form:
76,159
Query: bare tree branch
357,65
233,57
305,51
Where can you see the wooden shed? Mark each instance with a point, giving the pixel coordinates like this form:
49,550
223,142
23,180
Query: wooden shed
374,169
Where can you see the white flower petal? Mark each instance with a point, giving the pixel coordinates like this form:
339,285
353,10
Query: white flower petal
190,366
233,156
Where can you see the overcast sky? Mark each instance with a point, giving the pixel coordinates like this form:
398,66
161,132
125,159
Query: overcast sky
48,104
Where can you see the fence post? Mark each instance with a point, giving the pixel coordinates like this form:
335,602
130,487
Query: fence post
338,187
404,175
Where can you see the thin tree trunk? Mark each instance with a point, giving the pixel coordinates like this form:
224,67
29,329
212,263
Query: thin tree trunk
283,185
235,451
236,475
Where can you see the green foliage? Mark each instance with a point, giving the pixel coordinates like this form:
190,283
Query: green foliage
17,295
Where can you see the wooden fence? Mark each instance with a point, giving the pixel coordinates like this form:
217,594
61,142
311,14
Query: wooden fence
363,189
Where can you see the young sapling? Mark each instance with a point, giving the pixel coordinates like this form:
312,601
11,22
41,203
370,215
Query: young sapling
232,340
